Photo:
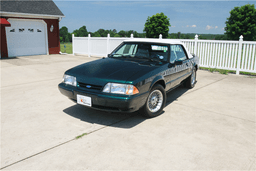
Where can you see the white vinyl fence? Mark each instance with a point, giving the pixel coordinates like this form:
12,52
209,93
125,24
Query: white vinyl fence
230,55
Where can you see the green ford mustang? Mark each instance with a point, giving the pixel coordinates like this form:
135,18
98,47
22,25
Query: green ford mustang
135,76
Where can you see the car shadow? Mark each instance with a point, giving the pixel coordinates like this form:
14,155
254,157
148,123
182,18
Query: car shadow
175,94
117,119
114,119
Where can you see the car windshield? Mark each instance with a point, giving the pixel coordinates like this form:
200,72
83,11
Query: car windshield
148,51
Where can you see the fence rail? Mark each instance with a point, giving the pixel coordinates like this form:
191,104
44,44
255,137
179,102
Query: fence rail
230,55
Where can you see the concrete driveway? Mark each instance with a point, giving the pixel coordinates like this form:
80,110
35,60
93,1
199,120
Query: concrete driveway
209,127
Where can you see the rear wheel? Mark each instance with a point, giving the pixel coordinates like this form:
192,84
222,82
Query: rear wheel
155,102
191,80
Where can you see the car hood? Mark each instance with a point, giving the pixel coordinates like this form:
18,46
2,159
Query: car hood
104,70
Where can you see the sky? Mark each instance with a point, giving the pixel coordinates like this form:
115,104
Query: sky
205,17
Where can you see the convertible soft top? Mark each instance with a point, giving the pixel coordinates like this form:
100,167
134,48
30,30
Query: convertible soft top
166,41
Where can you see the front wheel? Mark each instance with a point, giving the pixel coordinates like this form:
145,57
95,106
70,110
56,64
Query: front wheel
191,80
155,102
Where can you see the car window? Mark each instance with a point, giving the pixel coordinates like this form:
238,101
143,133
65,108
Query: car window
126,50
151,51
143,51
177,53
159,52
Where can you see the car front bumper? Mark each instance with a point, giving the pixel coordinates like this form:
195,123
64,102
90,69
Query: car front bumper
106,101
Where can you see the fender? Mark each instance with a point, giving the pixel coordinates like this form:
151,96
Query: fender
195,61
156,79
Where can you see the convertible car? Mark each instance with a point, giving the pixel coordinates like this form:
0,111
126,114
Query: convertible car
135,76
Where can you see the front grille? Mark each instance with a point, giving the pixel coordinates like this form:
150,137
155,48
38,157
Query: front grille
89,86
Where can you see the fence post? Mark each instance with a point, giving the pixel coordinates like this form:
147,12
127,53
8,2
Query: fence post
131,36
195,47
160,36
239,54
73,44
89,37
108,44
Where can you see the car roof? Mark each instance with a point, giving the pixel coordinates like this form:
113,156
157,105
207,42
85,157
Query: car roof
146,40
166,41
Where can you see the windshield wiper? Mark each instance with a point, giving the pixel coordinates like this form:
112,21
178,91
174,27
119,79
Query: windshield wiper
152,59
141,57
157,60
119,56
128,56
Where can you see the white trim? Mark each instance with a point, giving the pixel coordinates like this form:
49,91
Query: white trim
46,37
28,15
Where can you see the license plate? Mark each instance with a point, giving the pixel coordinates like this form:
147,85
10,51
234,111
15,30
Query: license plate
84,100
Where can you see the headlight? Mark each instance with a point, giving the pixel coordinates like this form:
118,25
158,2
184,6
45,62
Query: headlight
67,79
120,89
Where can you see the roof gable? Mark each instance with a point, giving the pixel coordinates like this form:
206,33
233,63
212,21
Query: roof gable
41,7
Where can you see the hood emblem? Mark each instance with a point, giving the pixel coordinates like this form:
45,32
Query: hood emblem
88,86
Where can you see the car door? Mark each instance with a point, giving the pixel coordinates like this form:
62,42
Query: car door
185,63
172,72
180,62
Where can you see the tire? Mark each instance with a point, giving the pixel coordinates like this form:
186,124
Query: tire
191,80
155,102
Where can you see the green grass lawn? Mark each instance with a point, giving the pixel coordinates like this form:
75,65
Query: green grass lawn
68,48
223,71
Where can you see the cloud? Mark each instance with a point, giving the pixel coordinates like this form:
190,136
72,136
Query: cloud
190,26
209,27
216,27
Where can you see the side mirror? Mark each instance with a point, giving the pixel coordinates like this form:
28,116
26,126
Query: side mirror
175,63
109,55
178,62
171,65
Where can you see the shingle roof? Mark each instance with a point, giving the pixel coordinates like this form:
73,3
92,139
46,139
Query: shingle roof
44,7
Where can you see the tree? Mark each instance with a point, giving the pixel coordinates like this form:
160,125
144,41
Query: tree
156,25
187,36
178,35
135,34
221,37
173,36
201,37
101,32
82,32
242,21
67,38
96,34
128,33
76,33
121,33
112,34
63,31
61,39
